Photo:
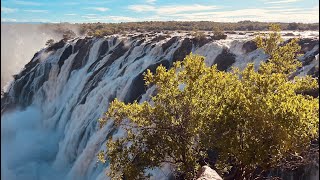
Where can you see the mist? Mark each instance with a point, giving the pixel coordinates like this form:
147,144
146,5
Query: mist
19,42
27,146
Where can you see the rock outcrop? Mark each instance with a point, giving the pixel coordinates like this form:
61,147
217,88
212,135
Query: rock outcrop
206,173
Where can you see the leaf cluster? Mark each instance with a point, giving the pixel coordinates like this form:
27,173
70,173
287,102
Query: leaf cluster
251,118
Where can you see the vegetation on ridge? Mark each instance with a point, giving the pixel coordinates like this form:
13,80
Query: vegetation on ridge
101,29
97,29
247,118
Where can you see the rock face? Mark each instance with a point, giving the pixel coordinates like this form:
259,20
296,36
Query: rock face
224,60
183,50
249,46
206,173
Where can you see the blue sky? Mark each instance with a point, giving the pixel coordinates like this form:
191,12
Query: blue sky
159,10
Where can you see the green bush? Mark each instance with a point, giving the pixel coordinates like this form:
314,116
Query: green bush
251,118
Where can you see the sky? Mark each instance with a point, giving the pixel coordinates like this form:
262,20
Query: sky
114,11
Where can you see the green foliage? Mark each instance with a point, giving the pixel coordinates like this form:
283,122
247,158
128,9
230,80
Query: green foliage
68,34
49,42
251,118
98,33
282,58
112,28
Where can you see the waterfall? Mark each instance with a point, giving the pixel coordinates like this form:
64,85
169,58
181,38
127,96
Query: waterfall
49,128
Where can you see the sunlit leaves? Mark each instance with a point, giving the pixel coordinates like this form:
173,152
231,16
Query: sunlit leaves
253,118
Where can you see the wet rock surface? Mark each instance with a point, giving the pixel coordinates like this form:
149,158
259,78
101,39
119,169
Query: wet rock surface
56,46
249,46
183,50
138,87
224,60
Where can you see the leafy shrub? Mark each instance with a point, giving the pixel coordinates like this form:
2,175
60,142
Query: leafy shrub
49,42
250,118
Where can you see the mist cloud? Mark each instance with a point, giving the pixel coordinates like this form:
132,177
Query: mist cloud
19,42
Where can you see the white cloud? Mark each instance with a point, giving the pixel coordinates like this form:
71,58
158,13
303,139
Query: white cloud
163,10
197,12
281,2
8,10
254,14
101,9
142,8
95,18
36,11
185,8
8,20
29,3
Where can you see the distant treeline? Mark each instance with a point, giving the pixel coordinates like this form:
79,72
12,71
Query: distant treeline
98,29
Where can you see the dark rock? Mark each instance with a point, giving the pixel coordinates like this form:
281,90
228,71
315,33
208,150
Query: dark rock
218,37
27,68
314,71
91,83
312,92
137,87
249,46
24,87
231,32
122,72
224,60
138,36
288,34
65,55
115,39
23,92
308,44
169,43
200,41
96,76
139,42
43,76
103,49
81,58
79,44
126,57
183,50
117,52
308,58
158,38
137,58
303,172
56,46
35,55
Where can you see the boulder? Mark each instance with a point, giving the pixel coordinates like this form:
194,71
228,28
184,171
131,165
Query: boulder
224,60
249,46
288,34
206,173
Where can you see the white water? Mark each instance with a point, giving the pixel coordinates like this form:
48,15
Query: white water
56,137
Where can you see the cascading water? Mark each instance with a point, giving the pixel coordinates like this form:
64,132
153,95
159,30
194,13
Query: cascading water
49,128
